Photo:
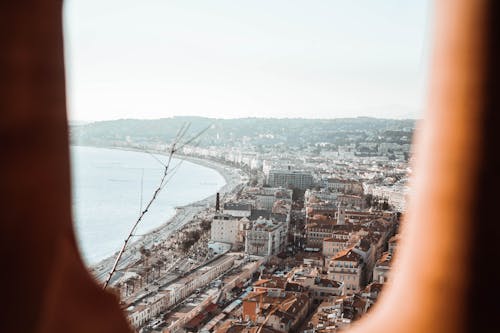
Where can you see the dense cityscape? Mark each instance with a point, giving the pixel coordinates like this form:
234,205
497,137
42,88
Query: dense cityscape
249,166
301,238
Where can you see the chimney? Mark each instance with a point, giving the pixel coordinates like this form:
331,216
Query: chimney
217,202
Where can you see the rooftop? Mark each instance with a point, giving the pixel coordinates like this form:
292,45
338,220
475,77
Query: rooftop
347,255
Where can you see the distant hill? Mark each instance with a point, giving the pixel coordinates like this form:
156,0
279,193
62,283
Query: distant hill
245,131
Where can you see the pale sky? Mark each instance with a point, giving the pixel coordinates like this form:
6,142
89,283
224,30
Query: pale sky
259,58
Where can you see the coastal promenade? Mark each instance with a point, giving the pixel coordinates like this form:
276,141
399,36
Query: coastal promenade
184,215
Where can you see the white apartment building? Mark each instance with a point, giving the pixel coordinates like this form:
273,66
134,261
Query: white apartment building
228,229
200,278
266,197
139,314
265,238
287,178
347,267
339,241
224,228
382,268
237,209
320,289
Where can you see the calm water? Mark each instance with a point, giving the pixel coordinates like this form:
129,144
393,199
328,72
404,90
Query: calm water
107,195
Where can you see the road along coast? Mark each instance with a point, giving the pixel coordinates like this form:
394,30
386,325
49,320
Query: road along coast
234,178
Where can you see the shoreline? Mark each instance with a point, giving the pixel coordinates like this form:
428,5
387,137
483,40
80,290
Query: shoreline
183,214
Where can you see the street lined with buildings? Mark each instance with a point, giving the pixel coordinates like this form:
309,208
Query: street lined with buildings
301,239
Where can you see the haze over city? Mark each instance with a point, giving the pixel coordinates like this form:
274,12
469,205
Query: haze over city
226,59
272,225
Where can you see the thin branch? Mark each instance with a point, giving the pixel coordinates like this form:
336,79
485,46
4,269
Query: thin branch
141,215
173,171
142,190
164,180
195,137
156,158
183,131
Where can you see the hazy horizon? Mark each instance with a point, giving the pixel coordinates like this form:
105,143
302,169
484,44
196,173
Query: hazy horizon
229,60
72,121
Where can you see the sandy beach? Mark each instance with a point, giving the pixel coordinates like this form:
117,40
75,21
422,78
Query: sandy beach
183,215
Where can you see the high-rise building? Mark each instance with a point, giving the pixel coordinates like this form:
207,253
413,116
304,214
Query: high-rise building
290,178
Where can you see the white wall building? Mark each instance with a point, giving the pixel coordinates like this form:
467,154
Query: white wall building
265,238
224,228
347,267
237,209
287,178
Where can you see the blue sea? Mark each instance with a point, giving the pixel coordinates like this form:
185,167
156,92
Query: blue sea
107,195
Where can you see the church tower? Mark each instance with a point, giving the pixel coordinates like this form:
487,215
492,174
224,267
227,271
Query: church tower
340,214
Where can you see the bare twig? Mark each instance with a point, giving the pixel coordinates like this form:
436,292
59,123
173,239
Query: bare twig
156,158
164,180
142,188
141,215
195,137
173,171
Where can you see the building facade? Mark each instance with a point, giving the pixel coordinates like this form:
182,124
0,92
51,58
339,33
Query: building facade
347,267
290,178
265,238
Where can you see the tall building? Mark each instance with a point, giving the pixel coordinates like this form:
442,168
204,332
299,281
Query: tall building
347,266
265,237
290,178
340,214
227,231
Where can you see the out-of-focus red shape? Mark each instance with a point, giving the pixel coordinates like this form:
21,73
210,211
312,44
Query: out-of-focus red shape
447,279
44,284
